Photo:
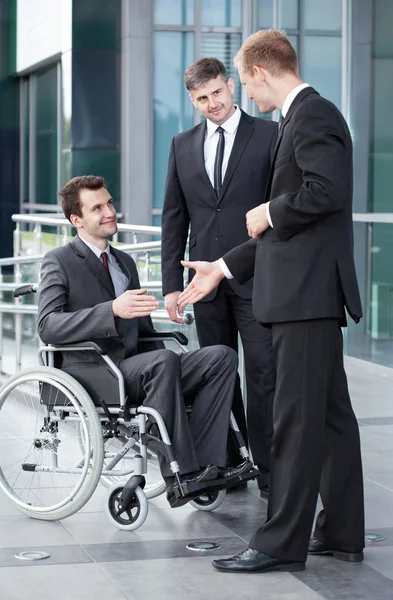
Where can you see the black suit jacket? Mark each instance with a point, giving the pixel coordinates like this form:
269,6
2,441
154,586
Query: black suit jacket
303,267
218,224
75,304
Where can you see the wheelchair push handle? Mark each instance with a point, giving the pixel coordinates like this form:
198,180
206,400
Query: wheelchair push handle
23,290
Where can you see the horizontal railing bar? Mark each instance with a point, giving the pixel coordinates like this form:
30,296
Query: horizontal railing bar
42,220
152,286
373,217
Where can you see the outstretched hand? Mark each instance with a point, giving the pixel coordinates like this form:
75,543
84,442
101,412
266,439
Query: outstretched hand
207,277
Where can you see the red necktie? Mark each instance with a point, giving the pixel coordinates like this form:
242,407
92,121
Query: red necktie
104,257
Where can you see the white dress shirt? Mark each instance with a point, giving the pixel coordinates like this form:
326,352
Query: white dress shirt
211,140
120,280
285,107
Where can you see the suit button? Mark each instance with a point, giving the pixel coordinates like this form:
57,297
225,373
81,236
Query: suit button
215,237
218,209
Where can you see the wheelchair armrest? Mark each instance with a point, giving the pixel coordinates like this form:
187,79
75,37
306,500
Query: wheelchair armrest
81,346
160,336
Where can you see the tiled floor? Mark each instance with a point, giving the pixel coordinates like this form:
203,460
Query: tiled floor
91,560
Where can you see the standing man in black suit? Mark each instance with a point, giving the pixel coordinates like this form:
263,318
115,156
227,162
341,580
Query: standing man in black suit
301,255
217,172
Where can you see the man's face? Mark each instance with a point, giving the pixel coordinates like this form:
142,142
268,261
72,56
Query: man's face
214,99
257,89
99,219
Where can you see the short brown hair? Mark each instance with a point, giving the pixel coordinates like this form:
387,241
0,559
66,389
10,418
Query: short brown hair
69,193
270,49
202,71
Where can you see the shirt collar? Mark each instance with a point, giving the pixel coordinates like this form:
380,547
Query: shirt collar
229,126
291,97
97,251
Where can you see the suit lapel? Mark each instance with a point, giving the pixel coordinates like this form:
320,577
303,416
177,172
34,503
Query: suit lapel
288,116
243,134
92,262
199,155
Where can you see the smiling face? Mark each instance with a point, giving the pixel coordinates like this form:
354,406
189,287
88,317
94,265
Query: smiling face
214,99
99,220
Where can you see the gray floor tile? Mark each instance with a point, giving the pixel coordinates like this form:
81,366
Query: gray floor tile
19,531
338,580
381,559
60,582
59,555
193,579
378,505
168,524
160,549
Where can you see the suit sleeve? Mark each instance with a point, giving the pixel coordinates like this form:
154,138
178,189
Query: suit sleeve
175,223
241,261
321,152
55,325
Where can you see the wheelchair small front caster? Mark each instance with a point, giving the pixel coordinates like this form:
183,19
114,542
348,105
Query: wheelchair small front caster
211,500
130,517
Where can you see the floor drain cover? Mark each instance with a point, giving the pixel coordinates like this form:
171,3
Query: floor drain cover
374,537
32,555
203,546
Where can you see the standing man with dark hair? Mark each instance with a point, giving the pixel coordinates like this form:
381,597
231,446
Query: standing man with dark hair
301,256
217,172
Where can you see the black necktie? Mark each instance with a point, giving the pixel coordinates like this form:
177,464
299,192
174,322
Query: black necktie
104,257
280,122
218,160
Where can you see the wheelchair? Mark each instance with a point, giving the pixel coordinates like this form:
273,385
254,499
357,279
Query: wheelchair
62,433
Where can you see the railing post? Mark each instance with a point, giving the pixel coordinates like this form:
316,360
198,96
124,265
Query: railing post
18,322
17,240
147,265
38,238
65,235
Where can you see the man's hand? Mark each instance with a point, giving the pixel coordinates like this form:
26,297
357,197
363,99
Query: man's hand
171,306
207,277
133,304
257,222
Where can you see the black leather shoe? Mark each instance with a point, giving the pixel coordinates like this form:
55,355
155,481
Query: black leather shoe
318,548
251,561
231,472
207,474
264,491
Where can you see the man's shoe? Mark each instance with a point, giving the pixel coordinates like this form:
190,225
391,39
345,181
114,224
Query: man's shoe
232,472
250,561
264,491
317,548
207,474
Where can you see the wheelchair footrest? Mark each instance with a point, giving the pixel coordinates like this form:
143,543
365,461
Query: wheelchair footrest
194,489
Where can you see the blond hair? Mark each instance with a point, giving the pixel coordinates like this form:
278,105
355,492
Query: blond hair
270,49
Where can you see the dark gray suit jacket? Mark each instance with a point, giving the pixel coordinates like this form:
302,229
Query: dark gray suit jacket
303,267
217,223
75,304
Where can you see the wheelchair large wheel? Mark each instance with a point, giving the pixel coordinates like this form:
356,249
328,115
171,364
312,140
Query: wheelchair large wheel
209,501
130,517
41,468
155,485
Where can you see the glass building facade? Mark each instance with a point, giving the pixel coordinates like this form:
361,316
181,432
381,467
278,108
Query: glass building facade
108,96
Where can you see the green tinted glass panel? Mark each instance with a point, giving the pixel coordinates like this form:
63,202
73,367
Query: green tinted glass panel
288,14
221,13
223,46
323,14
321,66
263,14
99,162
45,140
96,24
174,12
173,111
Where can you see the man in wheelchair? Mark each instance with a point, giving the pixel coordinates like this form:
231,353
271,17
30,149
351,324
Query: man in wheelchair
90,290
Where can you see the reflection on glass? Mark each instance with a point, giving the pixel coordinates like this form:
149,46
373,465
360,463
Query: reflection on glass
223,46
221,13
288,14
294,39
321,66
323,14
46,136
173,110
173,12
264,14
25,151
